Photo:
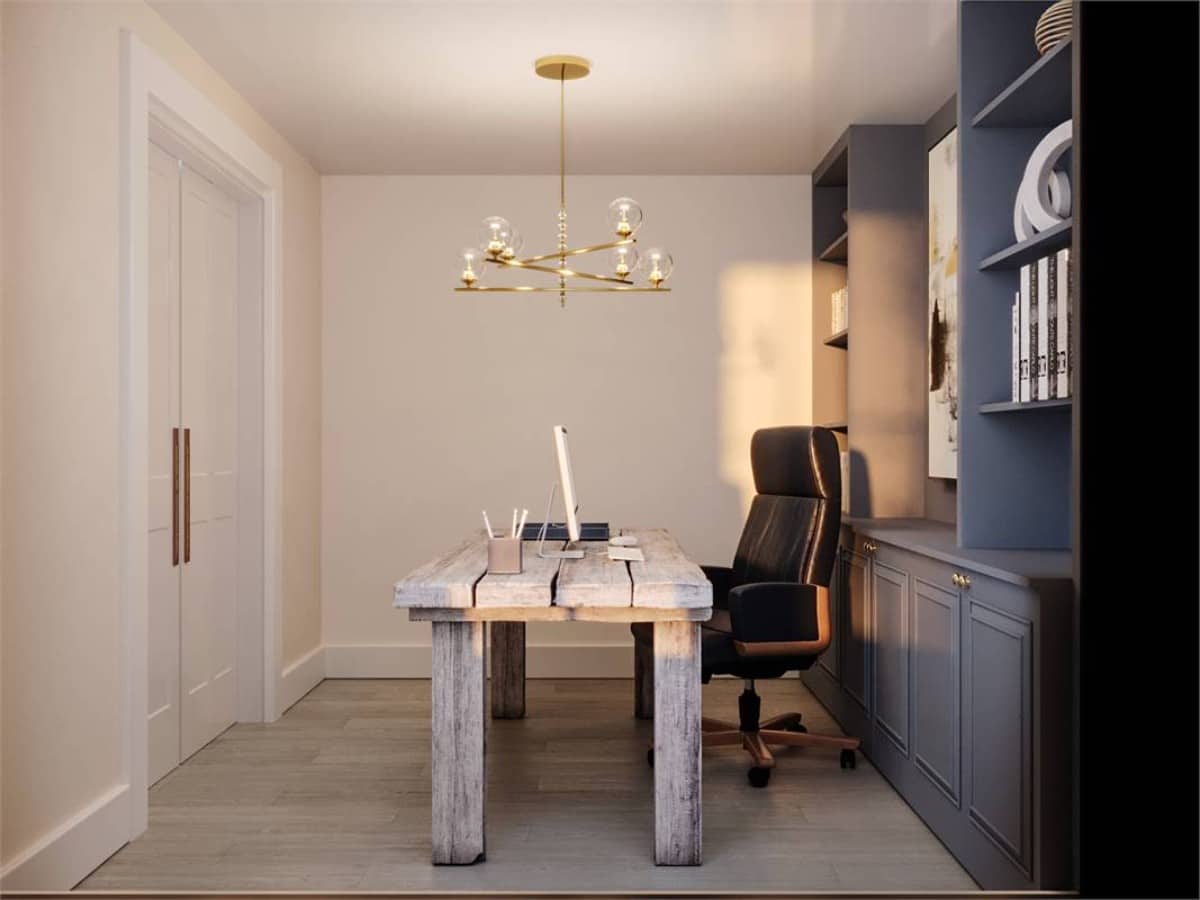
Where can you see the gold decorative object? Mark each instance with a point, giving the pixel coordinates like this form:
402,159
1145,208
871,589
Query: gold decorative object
500,244
1053,27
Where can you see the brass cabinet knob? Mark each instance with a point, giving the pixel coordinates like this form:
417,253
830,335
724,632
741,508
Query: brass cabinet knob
965,580
956,578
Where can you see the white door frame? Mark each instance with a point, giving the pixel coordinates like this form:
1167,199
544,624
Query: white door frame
155,96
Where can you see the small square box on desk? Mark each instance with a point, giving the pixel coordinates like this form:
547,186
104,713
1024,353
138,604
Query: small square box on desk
504,556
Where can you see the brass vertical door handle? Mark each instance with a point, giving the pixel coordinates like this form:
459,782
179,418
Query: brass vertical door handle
187,495
174,496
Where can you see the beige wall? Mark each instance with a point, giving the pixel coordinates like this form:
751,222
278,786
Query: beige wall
437,404
61,634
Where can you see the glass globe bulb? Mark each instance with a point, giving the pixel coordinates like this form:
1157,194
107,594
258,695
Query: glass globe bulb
471,263
515,242
658,265
624,260
494,235
624,216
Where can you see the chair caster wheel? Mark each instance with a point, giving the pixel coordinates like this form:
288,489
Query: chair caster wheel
758,776
650,757
848,759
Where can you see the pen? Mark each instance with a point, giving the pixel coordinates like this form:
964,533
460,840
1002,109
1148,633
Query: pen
513,533
491,534
521,527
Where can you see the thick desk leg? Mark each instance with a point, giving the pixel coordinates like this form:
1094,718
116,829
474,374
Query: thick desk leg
677,743
459,739
643,681
508,670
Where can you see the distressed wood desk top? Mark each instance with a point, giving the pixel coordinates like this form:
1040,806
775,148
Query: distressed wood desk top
456,586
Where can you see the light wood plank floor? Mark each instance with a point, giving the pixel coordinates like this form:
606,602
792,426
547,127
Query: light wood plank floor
335,796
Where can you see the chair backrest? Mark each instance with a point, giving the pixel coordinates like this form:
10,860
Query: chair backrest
791,533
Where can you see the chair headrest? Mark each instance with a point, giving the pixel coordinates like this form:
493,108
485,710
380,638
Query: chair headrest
796,461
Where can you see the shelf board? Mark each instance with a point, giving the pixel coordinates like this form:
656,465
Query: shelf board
838,251
1024,252
838,339
835,426
834,169
1040,97
1007,406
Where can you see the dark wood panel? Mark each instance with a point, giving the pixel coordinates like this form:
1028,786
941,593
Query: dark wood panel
999,715
936,659
856,653
890,657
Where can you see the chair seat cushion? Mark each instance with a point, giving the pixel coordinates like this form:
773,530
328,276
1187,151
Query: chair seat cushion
720,657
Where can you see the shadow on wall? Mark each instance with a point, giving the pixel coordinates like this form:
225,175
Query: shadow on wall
765,369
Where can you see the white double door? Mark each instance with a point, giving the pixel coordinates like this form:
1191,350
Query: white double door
192,538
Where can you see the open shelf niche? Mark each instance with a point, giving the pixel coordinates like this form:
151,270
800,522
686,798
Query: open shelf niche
868,196
1014,484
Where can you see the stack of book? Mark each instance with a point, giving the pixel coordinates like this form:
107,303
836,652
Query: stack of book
1042,358
840,309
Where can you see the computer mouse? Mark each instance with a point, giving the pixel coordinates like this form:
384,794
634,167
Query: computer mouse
623,540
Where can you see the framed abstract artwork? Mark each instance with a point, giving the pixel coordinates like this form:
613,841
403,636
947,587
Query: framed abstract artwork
943,307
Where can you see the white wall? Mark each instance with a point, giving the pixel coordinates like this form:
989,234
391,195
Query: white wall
61,728
437,404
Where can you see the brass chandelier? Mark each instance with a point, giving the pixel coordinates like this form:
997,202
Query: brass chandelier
500,244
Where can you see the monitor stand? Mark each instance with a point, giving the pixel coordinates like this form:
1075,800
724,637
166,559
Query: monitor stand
554,554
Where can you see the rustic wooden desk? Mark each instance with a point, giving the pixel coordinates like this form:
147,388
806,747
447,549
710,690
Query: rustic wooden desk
460,598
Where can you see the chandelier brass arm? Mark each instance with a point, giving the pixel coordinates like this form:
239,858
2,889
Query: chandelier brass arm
558,254
569,289
565,273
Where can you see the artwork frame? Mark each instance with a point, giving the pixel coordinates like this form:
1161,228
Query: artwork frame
942,345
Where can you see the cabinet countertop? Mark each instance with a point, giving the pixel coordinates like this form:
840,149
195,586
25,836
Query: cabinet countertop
939,540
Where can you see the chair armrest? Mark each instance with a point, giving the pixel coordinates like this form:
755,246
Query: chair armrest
722,582
779,618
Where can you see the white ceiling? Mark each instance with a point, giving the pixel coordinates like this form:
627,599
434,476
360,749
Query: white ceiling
677,86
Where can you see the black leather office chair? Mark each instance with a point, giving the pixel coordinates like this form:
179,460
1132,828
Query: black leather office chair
771,611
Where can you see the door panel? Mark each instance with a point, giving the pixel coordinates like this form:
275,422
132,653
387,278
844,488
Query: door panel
209,409
999,714
889,600
163,573
936,723
855,655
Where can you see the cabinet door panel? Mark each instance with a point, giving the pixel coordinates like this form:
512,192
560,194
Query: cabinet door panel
935,659
855,656
889,600
999,712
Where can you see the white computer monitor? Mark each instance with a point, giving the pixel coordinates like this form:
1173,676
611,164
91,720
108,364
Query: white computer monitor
567,482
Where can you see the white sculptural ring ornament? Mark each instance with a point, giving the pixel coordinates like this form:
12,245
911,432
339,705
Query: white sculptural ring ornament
1044,195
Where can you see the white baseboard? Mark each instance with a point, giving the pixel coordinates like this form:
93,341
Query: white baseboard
541,661
69,853
301,677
